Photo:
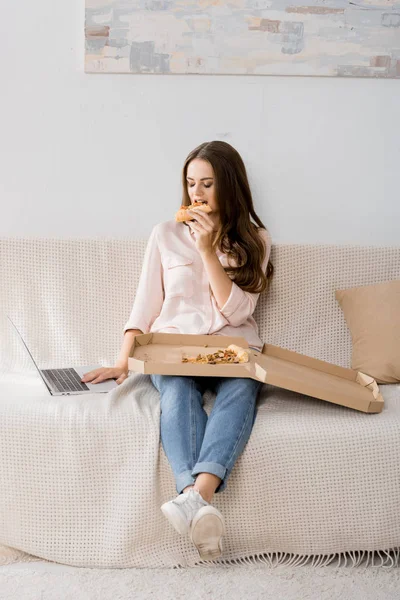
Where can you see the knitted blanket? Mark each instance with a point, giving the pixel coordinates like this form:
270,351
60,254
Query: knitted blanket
83,477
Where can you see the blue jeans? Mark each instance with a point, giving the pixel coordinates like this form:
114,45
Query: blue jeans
195,443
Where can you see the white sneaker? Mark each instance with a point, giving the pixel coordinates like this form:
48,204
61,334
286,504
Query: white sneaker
182,509
206,531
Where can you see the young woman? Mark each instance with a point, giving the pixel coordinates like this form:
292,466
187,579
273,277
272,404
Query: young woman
202,276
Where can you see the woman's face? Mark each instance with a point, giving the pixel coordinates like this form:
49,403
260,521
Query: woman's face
200,181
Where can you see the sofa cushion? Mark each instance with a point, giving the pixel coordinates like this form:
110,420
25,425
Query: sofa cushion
372,313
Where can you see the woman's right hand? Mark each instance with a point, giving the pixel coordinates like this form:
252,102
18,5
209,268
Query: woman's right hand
119,373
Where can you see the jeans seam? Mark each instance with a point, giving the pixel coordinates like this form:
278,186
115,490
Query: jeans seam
193,438
239,437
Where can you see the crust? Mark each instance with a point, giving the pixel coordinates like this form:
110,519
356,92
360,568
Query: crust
182,215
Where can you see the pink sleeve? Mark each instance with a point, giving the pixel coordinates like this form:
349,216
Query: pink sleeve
150,291
240,304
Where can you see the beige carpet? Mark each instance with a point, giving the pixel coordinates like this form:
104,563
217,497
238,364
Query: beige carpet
49,581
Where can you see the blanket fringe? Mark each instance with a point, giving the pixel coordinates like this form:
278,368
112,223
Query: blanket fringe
350,559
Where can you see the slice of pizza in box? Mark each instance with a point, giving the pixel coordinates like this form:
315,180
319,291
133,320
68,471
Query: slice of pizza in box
223,356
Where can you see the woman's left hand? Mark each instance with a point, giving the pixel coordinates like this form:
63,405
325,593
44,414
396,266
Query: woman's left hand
205,228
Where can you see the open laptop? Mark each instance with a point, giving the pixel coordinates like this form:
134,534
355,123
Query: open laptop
66,382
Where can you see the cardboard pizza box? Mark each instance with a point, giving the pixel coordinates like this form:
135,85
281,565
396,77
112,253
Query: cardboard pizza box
162,353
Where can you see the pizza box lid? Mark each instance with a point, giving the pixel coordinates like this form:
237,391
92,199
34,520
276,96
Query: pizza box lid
162,353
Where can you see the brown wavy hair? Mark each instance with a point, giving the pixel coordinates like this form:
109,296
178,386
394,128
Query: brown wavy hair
236,235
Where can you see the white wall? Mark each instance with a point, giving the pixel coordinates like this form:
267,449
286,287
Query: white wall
101,155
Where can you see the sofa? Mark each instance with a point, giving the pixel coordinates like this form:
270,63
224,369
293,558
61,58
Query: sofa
83,477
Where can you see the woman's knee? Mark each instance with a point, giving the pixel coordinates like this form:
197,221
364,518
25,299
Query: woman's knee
170,382
174,390
240,388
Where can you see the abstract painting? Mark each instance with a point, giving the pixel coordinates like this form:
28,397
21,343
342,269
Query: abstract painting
334,38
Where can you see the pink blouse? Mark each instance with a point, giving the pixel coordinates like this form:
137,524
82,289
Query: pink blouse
174,295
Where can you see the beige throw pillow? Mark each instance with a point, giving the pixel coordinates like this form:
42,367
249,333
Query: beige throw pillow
372,314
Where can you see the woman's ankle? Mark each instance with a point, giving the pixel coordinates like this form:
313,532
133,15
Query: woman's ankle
207,496
203,494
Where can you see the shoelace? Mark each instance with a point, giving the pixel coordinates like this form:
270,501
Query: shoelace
190,503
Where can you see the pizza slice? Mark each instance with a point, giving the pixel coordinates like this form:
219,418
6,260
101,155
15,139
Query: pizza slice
182,214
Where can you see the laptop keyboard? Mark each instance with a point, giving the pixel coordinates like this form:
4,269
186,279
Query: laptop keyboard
65,380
